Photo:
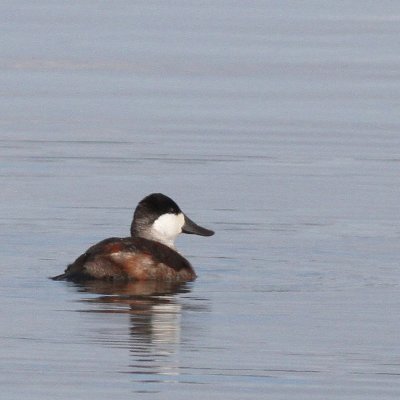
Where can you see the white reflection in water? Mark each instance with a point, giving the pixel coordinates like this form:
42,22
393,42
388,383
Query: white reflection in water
154,332
165,323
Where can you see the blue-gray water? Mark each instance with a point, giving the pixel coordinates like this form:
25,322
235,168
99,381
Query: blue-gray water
276,124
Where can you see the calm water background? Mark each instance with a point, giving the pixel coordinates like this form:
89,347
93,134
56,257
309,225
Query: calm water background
275,123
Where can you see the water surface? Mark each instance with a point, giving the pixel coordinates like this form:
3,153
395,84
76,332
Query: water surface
274,123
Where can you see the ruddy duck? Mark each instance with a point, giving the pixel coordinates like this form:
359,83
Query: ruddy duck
149,254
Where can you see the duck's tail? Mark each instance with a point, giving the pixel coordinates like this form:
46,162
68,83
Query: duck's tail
60,277
74,270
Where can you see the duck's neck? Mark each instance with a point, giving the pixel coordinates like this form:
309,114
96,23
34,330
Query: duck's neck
152,234
155,236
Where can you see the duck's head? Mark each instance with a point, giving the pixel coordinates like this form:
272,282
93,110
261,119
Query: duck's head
157,217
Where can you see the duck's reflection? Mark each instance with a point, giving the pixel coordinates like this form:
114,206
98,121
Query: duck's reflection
132,290
155,321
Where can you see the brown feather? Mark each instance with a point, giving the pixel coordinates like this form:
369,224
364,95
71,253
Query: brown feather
129,259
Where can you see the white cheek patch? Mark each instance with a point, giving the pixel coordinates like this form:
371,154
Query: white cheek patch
169,225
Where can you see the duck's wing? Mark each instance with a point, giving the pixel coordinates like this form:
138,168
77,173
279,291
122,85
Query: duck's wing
95,262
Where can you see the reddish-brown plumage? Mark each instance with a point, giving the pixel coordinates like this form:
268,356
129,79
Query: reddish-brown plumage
113,247
129,259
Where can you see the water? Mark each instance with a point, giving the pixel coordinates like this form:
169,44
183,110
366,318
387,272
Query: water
274,123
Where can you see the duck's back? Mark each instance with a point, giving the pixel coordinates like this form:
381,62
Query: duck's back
132,258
